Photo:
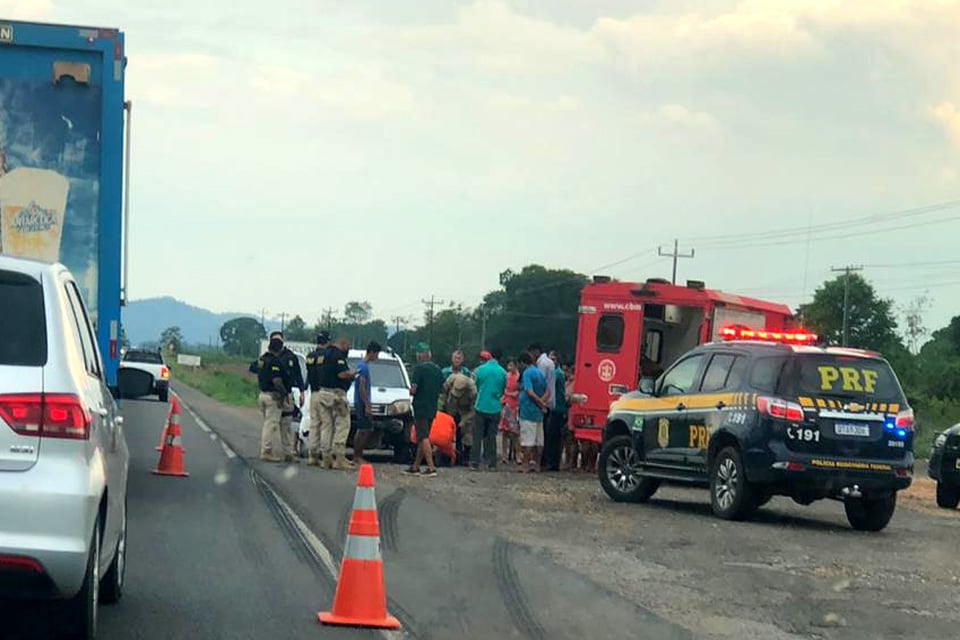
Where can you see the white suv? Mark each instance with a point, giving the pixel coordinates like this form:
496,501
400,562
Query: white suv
63,456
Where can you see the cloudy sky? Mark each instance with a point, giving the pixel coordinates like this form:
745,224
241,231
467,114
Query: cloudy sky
302,153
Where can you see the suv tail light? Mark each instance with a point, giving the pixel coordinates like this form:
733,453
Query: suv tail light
49,415
904,420
164,372
780,409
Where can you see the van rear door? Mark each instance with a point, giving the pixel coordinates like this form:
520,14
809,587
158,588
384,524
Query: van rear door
608,355
23,353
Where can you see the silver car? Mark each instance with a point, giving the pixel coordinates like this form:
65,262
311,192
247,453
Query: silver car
63,456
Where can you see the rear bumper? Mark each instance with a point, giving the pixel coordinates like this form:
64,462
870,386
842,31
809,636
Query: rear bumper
790,472
47,516
945,466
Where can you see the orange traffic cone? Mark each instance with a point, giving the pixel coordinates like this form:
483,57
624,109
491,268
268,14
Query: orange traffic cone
361,598
171,458
163,434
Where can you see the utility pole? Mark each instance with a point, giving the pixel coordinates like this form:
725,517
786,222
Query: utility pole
263,317
676,255
483,327
459,326
283,320
431,303
847,270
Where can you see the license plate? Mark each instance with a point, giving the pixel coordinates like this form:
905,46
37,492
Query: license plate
848,429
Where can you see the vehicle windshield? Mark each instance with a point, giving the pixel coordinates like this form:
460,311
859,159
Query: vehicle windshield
147,357
383,373
864,379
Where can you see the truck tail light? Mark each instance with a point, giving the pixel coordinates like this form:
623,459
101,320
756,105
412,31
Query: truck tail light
49,415
780,409
164,372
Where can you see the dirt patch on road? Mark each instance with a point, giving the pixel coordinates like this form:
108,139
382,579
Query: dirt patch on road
793,572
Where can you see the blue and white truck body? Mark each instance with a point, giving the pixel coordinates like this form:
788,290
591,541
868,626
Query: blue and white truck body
62,151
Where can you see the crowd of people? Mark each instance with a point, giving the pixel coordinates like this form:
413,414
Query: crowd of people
524,400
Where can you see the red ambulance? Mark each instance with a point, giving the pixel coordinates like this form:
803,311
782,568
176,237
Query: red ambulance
630,331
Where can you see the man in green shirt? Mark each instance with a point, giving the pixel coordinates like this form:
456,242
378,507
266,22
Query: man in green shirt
425,385
491,381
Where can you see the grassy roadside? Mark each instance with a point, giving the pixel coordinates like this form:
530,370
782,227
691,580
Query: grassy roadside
222,378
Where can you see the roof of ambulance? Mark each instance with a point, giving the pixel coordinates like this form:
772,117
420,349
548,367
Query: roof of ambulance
648,291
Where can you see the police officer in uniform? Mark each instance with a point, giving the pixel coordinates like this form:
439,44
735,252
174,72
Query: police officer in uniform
274,389
314,363
295,377
335,379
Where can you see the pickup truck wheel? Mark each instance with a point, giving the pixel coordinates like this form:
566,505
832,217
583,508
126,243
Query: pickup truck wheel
948,496
732,496
111,587
870,514
81,610
619,472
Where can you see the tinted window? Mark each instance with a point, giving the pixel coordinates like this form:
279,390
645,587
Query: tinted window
23,325
719,373
610,333
148,357
383,373
847,377
682,377
766,372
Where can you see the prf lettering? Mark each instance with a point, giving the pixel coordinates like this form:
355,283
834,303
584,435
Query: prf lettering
699,436
850,378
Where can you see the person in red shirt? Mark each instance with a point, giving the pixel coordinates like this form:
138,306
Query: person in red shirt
509,420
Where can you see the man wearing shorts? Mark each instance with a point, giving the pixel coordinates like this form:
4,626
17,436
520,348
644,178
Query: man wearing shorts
532,407
361,402
425,385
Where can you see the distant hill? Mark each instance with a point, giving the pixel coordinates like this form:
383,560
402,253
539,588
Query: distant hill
144,320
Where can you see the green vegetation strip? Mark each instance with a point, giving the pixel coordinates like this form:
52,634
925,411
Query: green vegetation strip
225,382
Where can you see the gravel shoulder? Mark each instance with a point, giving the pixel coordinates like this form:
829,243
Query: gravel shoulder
792,572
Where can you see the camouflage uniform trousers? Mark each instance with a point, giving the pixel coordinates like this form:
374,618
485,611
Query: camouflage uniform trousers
466,414
333,412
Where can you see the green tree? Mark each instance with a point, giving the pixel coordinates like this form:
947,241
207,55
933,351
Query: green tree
296,330
871,321
357,313
242,336
915,330
171,338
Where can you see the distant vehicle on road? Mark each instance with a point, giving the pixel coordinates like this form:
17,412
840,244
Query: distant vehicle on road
63,454
392,404
150,362
764,413
945,467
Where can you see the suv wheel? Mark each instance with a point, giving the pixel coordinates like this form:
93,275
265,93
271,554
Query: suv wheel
81,618
870,514
948,496
619,471
164,394
731,495
111,587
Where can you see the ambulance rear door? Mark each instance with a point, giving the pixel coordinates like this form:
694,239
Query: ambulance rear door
608,351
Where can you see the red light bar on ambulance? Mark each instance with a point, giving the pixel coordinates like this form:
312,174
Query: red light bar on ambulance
799,336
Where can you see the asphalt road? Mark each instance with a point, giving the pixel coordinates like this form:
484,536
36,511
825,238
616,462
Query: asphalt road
207,558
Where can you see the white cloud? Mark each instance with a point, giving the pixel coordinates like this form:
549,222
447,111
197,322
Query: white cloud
26,9
678,115
949,117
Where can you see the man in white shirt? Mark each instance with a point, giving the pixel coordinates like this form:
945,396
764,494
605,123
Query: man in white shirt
548,369
552,430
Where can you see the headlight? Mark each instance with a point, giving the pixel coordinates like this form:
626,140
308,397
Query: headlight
940,441
399,408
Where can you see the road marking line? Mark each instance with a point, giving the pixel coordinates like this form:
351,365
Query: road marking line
227,450
319,549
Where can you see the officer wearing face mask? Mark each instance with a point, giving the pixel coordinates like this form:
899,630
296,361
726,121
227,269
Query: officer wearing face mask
294,375
274,388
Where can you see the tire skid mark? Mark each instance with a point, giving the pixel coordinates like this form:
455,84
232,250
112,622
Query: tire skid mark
389,529
512,593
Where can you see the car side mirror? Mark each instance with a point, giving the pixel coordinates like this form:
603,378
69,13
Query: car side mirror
647,386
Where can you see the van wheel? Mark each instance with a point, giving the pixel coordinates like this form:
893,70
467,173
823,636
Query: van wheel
111,587
619,472
731,495
870,514
81,610
948,496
